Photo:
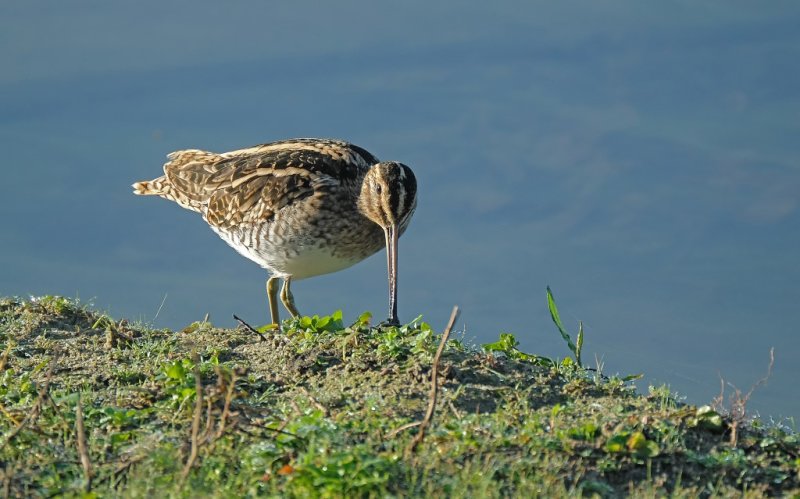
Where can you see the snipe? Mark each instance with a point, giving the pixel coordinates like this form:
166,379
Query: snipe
298,208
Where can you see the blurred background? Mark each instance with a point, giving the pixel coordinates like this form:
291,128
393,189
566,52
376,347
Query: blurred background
642,160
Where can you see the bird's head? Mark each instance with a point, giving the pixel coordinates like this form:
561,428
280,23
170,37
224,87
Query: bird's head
388,198
389,194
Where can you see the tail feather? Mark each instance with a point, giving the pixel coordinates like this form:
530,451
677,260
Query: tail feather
183,181
155,187
162,187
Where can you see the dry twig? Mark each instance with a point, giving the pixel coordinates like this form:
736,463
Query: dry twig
456,412
113,331
4,358
33,415
739,402
8,415
250,328
209,421
226,408
8,474
426,421
314,401
296,408
279,430
198,412
83,450
406,426
119,473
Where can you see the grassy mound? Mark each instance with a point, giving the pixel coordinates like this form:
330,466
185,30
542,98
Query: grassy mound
90,405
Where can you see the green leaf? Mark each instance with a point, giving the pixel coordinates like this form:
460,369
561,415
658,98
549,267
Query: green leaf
101,323
266,328
638,444
175,370
121,437
415,321
636,441
191,328
588,431
40,366
617,443
505,344
365,318
708,418
336,323
551,305
650,449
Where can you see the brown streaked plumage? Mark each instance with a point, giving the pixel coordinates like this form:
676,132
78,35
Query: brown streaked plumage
298,207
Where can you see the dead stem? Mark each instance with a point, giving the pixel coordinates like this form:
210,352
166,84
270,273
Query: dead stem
226,408
426,421
33,415
406,426
4,358
198,412
83,450
209,421
737,401
314,401
250,328
8,473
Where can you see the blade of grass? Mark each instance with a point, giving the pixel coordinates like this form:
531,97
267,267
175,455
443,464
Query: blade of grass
576,350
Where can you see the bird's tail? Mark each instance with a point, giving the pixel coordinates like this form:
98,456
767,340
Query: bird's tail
156,187
162,187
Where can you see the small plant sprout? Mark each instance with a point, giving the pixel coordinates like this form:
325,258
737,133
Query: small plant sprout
574,347
507,345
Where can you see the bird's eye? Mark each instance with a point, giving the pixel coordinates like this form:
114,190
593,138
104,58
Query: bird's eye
379,188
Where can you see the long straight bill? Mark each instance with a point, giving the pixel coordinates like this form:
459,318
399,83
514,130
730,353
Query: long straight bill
391,263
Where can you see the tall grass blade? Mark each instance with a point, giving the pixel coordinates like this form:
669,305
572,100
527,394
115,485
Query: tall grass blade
551,304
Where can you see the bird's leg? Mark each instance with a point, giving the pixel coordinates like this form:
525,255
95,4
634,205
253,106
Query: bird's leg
272,296
287,298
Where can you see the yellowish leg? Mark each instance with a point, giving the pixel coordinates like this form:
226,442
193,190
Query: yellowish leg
287,298
272,296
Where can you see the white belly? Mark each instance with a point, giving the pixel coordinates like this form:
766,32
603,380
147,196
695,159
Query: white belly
306,263
299,262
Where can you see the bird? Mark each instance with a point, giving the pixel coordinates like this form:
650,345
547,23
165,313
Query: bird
298,207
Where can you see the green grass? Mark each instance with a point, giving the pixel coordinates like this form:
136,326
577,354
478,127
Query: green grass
323,409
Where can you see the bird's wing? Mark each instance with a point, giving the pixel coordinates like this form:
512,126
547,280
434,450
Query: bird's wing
250,185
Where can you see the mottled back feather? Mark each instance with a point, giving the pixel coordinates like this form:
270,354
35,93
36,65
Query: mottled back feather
250,185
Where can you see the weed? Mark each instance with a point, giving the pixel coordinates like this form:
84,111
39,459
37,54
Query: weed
737,401
576,347
507,345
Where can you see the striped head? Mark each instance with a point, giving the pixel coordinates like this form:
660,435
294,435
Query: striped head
389,197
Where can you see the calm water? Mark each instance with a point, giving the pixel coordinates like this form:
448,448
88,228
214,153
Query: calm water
643,162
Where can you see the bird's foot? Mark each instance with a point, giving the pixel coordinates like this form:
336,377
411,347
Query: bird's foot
390,322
